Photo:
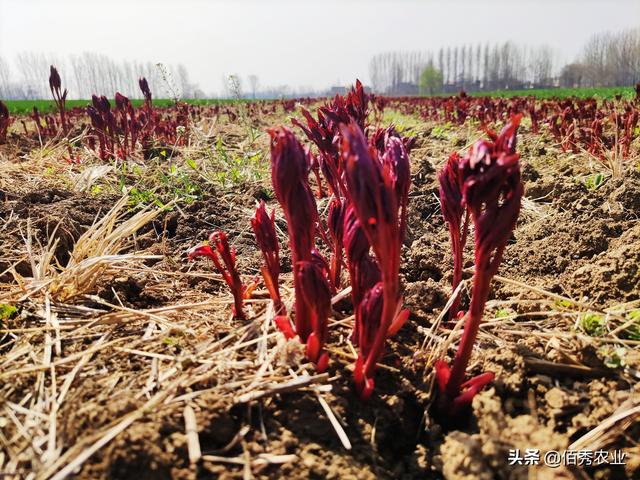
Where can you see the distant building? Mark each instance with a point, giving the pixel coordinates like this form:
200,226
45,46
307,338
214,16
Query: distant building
404,89
333,91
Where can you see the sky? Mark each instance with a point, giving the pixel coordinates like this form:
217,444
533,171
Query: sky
308,43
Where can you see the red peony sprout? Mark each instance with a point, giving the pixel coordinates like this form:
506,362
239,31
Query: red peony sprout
226,267
492,191
59,96
453,210
289,174
373,192
264,230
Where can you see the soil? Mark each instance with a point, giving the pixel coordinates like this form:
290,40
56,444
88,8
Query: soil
572,241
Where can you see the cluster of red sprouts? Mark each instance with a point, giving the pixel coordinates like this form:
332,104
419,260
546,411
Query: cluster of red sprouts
364,174
367,174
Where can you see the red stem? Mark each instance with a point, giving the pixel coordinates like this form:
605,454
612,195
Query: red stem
486,268
457,269
461,362
389,258
390,299
320,193
302,310
458,259
238,292
336,264
272,286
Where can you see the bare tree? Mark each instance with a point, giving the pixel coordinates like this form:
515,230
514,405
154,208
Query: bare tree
441,61
33,70
182,77
375,73
478,63
485,67
254,81
505,72
455,66
463,65
541,66
572,75
469,68
5,76
609,59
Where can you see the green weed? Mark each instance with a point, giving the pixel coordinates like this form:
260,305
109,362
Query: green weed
613,357
441,131
593,182
563,303
593,324
632,332
7,311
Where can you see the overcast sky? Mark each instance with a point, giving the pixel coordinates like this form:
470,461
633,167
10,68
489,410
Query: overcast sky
295,42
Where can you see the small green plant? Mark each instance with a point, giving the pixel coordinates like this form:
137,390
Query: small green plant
179,185
593,324
440,131
230,169
172,342
593,182
142,198
502,313
562,303
632,332
613,357
191,163
159,184
7,311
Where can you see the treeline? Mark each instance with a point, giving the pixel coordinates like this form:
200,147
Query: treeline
468,67
26,77
609,59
